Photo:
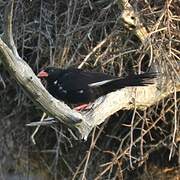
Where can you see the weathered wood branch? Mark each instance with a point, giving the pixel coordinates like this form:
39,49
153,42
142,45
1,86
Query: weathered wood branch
131,20
29,82
26,78
127,98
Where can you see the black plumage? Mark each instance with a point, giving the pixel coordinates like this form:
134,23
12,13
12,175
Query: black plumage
75,86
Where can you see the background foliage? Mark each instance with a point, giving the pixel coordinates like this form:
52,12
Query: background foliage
90,34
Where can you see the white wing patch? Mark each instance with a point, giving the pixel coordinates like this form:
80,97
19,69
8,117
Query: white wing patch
100,83
81,91
64,91
60,88
55,82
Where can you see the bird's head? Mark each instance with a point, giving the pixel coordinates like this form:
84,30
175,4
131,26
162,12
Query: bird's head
49,73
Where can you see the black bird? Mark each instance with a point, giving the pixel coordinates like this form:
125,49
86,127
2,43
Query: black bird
75,86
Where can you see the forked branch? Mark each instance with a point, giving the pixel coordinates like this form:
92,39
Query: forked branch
127,98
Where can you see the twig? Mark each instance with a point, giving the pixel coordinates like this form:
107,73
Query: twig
132,139
37,128
103,107
175,125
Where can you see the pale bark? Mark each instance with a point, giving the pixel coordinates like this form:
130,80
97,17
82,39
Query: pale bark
127,98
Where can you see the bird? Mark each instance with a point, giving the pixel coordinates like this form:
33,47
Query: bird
76,86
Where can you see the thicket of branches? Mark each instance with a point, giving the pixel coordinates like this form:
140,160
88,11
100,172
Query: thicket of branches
90,35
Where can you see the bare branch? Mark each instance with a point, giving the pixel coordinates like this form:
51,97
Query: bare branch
131,19
103,107
8,35
25,77
126,98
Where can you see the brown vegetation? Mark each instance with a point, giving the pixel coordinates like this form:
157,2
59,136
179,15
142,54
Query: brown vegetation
99,36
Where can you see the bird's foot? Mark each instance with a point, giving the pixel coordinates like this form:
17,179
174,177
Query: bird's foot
82,107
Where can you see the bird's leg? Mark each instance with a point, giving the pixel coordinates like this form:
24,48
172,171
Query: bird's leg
82,107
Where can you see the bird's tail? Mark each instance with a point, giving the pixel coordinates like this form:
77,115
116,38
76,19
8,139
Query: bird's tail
108,86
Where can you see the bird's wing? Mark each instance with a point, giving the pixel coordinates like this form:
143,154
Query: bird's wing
100,83
76,80
117,83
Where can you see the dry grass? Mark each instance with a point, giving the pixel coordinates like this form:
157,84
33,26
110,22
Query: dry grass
89,34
